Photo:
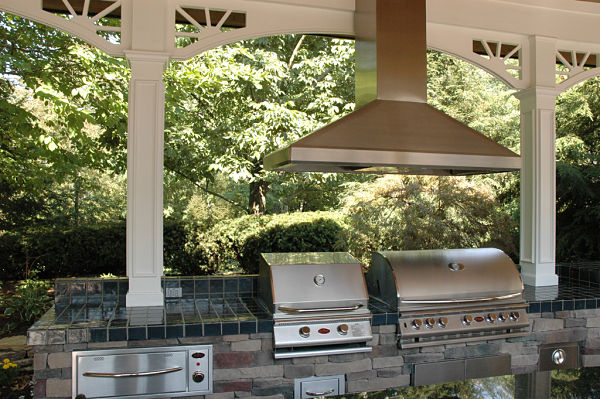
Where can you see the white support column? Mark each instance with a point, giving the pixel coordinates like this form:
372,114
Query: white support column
538,173
145,143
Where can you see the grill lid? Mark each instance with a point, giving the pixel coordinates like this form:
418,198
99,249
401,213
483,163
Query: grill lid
308,281
450,276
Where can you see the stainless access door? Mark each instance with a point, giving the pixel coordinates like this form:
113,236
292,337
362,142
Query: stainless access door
132,374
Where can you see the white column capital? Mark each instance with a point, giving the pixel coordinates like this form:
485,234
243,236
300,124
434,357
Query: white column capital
537,98
148,56
147,65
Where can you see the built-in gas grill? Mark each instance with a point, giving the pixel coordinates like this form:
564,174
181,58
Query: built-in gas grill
450,296
318,301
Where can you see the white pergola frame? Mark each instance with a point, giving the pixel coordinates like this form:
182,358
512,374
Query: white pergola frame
539,33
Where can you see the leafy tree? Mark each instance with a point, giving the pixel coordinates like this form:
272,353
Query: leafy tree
63,112
421,212
231,106
583,383
578,172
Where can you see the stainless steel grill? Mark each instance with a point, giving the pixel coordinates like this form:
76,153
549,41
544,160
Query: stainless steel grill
318,301
449,296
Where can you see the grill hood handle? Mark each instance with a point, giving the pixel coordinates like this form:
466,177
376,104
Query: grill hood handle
337,309
440,301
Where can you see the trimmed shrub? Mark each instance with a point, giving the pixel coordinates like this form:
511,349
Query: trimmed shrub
81,251
237,243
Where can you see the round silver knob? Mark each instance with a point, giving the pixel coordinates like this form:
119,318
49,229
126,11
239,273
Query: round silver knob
198,376
319,280
443,321
503,316
467,320
559,356
429,322
343,329
514,316
416,324
305,332
491,317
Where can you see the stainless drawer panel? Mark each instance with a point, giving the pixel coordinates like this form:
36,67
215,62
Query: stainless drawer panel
161,380
484,367
143,373
313,387
559,356
437,373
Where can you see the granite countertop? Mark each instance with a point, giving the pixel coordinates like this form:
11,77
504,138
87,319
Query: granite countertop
93,310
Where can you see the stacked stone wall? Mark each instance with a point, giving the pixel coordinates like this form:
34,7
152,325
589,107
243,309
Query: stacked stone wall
244,365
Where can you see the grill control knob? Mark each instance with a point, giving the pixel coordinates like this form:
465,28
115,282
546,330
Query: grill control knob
503,316
491,317
343,329
467,320
443,322
430,322
416,324
559,356
198,376
305,332
514,316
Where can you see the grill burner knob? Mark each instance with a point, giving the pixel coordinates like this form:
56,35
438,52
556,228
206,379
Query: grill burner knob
343,329
443,321
305,332
198,376
514,316
491,317
503,316
429,322
467,320
416,324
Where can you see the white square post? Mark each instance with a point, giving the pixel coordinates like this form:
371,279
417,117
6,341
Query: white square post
538,173
145,144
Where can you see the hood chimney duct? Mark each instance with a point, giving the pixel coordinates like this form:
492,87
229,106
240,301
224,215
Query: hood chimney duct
391,58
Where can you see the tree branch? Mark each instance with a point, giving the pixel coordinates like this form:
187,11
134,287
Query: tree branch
295,52
208,191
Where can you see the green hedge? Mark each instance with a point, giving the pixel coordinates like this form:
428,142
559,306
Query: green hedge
230,245
82,251
239,242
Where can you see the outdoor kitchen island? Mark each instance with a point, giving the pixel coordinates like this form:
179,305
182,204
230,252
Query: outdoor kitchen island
223,312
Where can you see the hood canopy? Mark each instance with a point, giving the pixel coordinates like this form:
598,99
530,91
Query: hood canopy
393,130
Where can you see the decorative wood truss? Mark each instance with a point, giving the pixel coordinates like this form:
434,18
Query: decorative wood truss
189,27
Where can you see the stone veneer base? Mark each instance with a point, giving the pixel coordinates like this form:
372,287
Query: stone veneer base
244,365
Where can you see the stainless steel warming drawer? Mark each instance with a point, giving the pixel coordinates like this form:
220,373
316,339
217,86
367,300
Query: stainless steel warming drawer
175,371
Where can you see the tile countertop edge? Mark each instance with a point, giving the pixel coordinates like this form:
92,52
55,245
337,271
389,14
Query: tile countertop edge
569,295
44,335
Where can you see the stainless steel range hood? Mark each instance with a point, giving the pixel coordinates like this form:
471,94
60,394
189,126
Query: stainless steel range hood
393,130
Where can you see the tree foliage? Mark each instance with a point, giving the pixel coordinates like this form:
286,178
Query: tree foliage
63,123
578,172
406,212
230,106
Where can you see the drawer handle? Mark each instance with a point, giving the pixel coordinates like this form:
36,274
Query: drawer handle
137,374
320,393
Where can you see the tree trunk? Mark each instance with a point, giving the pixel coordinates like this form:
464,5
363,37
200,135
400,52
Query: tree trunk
77,193
258,197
